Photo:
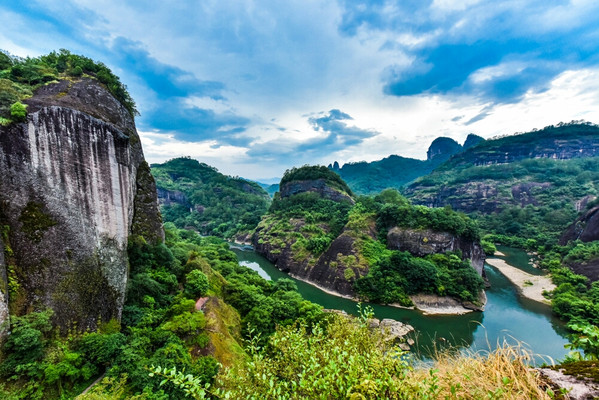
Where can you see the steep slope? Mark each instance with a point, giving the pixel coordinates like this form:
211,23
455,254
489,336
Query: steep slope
530,185
74,187
382,249
396,171
195,195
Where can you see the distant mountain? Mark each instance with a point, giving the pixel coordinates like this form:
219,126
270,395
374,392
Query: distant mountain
271,189
396,171
195,195
530,185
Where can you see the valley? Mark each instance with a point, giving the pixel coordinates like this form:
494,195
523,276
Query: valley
116,280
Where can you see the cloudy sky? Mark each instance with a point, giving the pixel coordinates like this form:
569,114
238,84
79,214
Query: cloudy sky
255,87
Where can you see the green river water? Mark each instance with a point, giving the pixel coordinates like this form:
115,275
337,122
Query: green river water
507,316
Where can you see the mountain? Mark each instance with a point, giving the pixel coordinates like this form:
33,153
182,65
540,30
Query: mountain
270,188
382,249
530,185
195,195
396,171
75,189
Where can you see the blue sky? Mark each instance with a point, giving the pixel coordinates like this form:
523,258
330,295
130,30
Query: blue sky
255,87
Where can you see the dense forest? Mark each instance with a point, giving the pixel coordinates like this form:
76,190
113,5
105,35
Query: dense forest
196,196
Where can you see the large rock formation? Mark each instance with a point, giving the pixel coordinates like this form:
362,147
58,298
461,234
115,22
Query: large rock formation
585,229
442,148
74,186
319,186
422,242
287,240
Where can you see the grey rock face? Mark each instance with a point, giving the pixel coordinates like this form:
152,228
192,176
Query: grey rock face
67,194
423,242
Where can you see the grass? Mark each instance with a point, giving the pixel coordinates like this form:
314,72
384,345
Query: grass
503,373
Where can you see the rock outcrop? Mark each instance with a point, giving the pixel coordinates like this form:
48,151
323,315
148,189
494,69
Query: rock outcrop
74,186
319,186
586,229
442,148
422,242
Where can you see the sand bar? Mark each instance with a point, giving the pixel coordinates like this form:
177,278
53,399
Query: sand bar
522,280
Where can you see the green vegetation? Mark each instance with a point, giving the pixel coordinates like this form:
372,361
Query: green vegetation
309,223
19,77
160,325
315,172
342,358
575,300
203,199
528,197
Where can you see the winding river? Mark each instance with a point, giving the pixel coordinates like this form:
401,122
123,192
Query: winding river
507,316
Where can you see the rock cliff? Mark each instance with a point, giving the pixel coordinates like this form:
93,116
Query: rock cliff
74,187
319,186
586,229
422,242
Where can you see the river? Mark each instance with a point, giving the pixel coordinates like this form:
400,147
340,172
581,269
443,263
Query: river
507,316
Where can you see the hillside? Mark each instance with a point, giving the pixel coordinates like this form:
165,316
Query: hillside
382,249
196,196
530,185
396,171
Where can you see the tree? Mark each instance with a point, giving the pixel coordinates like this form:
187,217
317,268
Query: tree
197,283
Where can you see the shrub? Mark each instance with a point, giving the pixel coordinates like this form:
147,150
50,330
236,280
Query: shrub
18,112
196,284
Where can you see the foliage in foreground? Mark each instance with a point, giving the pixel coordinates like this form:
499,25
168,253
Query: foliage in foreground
345,359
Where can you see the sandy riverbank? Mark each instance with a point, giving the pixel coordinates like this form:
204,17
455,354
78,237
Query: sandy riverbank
427,304
523,279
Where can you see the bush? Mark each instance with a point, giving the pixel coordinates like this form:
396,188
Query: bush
196,284
18,112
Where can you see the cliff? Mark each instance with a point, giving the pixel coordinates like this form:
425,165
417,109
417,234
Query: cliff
442,148
74,187
318,233
422,242
585,229
319,186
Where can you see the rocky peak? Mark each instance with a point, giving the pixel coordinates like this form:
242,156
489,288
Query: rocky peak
472,140
319,186
442,148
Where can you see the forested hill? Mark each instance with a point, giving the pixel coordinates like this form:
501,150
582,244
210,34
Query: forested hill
530,185
396,171
195,195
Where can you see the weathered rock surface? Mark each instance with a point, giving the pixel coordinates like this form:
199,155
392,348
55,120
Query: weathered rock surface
74,186
578,389
328,271
317,186
422,242
586,229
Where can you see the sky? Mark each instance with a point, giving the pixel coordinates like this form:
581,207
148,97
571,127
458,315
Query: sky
257,87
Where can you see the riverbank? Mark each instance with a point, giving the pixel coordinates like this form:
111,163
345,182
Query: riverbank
530,286
427,304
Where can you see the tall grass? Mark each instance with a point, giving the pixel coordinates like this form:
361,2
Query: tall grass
503,373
